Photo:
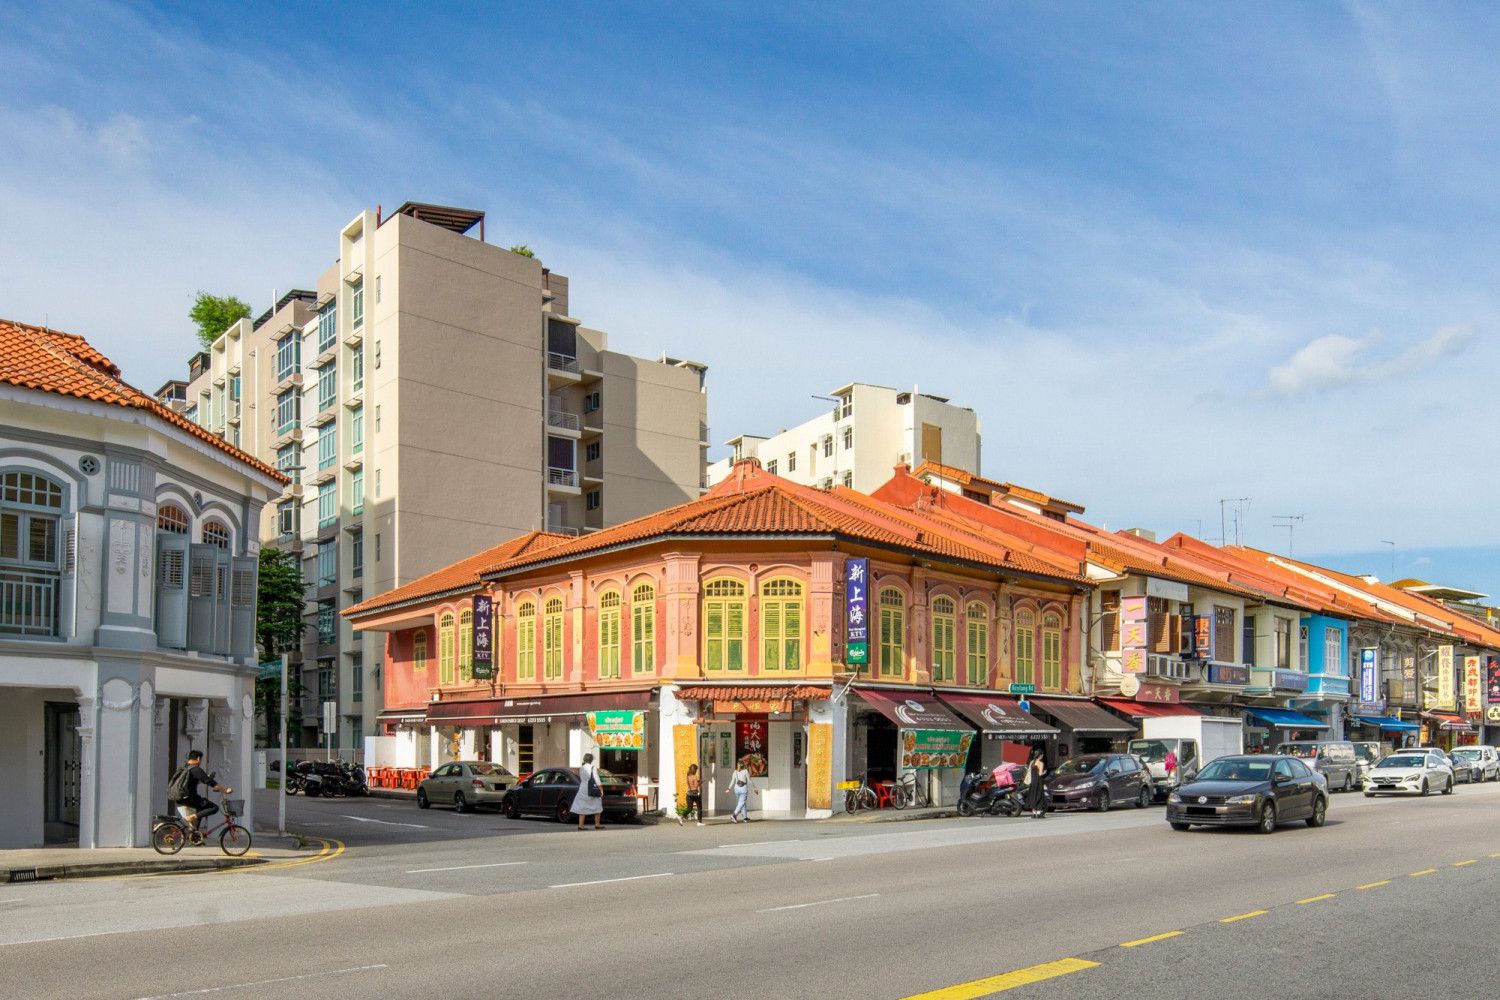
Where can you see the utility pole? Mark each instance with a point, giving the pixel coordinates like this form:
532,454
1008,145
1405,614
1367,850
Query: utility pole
1289,522
281,799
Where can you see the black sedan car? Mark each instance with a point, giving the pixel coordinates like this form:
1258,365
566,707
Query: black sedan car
1260,791
1098,781
549,791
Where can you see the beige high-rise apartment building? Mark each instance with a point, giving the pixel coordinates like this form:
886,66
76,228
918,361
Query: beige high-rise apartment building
430,397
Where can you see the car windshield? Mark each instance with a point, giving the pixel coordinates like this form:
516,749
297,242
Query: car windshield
1082,765
1467,754
1236,769
1409,760
1150,751
1364,752
489,770
1298,749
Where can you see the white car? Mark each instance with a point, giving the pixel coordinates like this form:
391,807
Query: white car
1483,761
1409,772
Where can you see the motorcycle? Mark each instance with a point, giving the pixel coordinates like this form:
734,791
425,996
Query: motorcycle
978,795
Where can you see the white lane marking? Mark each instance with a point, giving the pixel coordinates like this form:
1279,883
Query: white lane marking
386,822
821,902
815,859
602,881
266,982
459,868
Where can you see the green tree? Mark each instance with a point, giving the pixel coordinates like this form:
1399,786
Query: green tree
278,629
523,250
213,314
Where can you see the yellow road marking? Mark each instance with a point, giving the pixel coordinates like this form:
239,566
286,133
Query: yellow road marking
1424,871
1242,916
1148,940
1007,980
1460,864
327,853
1495,855
1316,899
1374,885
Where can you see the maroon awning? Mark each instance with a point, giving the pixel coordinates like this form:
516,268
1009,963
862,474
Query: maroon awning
997,717
912,709
536,710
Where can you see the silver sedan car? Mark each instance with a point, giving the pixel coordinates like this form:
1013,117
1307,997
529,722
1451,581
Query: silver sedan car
1410,772
1483,762
465,785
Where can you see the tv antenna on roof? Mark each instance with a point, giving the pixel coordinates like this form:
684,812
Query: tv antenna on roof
1239,510
1289,522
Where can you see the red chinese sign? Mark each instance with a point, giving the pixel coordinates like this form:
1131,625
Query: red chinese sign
752,742
1164,693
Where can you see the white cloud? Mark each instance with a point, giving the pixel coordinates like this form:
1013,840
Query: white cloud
1336,360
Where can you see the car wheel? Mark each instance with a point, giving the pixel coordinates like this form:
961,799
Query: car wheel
1348,783
1182,827
1369,795
1319,814
1425,789
460,804
508,808
1267,822
1101,801
422,802
563,811
1448,789
1144,799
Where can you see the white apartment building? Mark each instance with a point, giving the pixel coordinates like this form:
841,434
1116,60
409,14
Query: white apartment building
866,433
429,397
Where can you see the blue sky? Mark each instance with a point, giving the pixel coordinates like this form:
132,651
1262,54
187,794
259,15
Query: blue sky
1169,253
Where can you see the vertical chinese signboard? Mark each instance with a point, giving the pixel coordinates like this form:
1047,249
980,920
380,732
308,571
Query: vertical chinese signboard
1133,635
857,612
820,765
484,658
1473,685
750,743
1447,693
1369,675
685,752
1492,678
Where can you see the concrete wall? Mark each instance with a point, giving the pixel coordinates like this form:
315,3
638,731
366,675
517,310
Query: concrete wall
22,753
652,455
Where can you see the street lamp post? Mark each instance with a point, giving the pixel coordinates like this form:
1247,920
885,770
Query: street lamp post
281,799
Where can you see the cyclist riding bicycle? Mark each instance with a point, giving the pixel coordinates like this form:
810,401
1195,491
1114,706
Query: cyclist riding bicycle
184,796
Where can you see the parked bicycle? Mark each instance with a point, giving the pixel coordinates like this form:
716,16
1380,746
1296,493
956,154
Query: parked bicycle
863,797
910,792
170,834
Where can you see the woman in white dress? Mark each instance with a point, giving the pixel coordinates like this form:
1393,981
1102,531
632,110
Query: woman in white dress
585,804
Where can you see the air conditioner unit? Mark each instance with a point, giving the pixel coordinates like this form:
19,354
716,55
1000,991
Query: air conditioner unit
1168,666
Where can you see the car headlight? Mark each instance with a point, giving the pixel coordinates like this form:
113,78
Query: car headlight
1241,800
1175,797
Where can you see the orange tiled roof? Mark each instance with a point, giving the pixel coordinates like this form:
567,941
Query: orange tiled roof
457,576
35,357
963,478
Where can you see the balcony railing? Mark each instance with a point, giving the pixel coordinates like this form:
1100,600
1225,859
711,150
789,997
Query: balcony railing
561,529
561,477
562,418
563,363
28,603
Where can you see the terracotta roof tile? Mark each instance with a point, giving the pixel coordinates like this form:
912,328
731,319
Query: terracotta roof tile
459,575
34,357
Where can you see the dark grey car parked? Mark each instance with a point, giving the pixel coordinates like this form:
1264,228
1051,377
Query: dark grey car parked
550,791
1099,781
1259,790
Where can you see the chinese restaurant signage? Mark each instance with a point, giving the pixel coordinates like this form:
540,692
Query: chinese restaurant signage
1447,693
1165,694
820,765
484,658
750,743
618,730
934,747
1492,677
1203,637
1133,635
857,611
1473,684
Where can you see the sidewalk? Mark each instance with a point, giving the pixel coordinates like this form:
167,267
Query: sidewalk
52,863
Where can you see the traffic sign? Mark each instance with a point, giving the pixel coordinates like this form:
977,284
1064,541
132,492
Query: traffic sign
1023,689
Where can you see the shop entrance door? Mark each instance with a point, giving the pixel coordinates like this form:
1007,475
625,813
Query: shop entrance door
63,773
715,765
799,770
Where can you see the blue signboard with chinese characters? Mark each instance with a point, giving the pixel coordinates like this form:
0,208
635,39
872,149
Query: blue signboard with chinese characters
1369,670
857,611
484,659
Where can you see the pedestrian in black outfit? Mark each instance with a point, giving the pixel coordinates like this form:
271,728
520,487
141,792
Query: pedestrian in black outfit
1036,791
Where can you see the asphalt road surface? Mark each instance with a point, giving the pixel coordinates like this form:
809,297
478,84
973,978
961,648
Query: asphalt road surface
1393,898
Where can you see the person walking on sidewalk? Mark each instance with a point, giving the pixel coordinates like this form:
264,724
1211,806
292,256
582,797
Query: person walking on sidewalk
1036,790
589,801
739,784
694,795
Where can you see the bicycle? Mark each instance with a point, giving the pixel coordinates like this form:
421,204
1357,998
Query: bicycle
909,792
863,797
171,834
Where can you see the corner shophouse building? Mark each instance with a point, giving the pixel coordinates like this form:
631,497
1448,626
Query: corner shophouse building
722,622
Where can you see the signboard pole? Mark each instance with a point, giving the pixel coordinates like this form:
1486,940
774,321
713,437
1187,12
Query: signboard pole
285,764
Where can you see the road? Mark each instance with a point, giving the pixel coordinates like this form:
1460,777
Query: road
1393,898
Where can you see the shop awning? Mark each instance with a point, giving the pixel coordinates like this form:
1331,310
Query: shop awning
402,715
1281,718
1146,709
999,718
1083,716
1389,723
1448,722
912,709
536,710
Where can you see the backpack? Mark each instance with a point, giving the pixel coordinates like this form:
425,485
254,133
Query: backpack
177,791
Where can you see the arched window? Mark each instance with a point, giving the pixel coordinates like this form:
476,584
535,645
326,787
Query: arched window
643,629
1025,654
172,519
944,631
446,658
30,505
215,533
466,646
609,634
781,616
526,642
419,651
724,626
977,644
552,640
892,633
1051,651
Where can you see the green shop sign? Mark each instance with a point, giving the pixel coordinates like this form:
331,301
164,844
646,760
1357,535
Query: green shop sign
618,730
935,747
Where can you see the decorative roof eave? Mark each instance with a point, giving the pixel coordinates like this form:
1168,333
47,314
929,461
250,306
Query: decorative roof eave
361,613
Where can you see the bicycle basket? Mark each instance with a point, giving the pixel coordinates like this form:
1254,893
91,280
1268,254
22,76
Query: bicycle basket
234,807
